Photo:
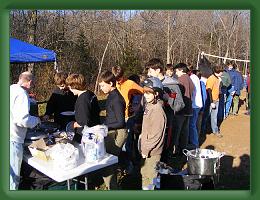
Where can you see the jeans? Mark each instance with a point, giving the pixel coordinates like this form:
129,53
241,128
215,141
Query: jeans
214,118
221,108
193,131
16,157
205,118
228,104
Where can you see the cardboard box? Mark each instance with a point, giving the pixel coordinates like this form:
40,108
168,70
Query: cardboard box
39,150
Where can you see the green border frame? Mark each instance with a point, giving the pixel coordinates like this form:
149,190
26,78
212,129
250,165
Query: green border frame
7,5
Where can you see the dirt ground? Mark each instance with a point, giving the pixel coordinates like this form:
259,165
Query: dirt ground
235,165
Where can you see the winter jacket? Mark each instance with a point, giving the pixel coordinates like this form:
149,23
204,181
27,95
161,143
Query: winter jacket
127,89
186,87
174,96
87,110
236,80
153,129
60,101
115,110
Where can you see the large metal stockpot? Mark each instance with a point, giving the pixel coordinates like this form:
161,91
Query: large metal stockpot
203,161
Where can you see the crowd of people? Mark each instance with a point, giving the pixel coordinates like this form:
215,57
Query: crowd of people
154,115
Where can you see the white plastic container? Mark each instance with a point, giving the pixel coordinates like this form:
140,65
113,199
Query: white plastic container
92,142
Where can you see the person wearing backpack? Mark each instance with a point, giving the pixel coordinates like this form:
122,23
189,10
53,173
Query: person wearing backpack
173,101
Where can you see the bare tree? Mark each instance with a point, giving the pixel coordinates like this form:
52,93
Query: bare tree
100,64
89,41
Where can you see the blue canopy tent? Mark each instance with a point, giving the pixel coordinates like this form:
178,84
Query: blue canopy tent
23,52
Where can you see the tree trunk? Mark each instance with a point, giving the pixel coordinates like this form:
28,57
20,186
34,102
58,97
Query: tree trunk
168,39
100,65
210,43
32,24
226,55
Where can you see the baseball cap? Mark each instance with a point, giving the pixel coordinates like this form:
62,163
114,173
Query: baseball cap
153,83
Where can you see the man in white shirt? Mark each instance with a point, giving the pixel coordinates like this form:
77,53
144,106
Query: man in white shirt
196,106
20,120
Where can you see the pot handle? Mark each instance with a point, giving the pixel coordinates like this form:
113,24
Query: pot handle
221,155
185,152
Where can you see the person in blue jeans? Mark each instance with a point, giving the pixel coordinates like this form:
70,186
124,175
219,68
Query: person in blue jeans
213,87
229,99
20,120
234,89
201,124
196,107
225,84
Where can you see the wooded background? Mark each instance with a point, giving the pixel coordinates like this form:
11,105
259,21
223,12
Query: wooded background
89,41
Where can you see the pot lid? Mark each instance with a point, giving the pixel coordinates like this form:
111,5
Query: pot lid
35,135
68,113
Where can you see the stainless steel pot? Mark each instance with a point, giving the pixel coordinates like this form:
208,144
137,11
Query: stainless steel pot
41,131
65,118
203,161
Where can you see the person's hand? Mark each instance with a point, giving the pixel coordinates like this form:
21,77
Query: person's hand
45,118
38,122
213,105
76,125
165,96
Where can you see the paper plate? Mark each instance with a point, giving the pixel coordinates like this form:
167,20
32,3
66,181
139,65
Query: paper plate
68,113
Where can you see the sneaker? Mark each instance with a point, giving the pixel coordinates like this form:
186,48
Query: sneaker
247,113
148,187
130,168
218,135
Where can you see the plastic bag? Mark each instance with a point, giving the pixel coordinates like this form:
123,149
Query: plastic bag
65,156
92,142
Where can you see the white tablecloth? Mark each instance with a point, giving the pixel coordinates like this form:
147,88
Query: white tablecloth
59,175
